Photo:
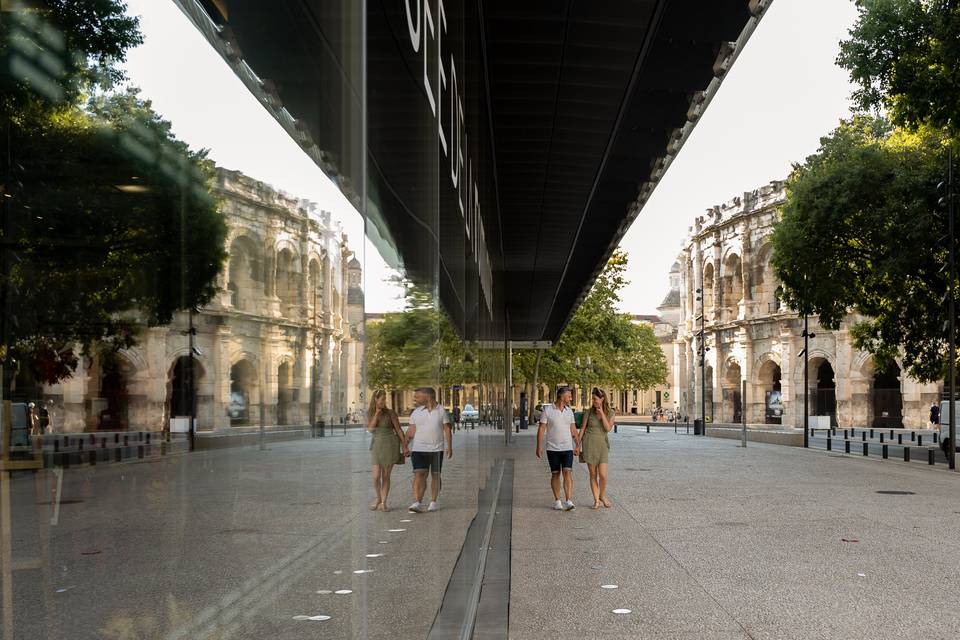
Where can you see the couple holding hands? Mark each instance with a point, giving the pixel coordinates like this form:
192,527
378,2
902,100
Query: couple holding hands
426,439
564,441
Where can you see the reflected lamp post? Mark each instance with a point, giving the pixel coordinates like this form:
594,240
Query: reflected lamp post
585,368
444,367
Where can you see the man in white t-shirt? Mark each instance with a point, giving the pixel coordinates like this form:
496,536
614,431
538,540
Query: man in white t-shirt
429,429
559,426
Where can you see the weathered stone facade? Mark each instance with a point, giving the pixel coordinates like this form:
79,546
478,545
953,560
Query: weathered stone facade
752,338
290,295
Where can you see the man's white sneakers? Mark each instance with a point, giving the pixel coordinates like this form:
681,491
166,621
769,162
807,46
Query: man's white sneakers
569,506
433,507
558,506
415,508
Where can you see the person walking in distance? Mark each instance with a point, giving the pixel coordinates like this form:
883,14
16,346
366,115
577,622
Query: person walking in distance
429,428
389,446
558,425
595,445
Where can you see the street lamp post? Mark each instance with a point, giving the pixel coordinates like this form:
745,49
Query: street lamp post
805,354
585,369
948,188
702,337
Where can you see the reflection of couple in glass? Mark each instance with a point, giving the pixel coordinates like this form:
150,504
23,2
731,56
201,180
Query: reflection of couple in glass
428,435
564,441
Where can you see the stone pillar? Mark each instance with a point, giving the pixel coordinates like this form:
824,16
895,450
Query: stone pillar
220,377
791,378
746,259
717,282
324,409
747,402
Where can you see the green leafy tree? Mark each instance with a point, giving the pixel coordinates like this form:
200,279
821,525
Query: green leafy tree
903,56
108,223
861,232
623,354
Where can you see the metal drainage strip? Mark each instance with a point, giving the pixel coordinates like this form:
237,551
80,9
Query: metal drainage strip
458,612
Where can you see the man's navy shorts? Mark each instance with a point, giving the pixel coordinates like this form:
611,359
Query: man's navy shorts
559,459
432,460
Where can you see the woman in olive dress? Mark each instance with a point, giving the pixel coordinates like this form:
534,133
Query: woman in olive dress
389,446
595,446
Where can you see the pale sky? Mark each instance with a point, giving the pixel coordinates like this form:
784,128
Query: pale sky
783,93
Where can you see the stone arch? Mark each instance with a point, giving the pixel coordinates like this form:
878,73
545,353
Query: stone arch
884,386
730,387
314,285
764,282
287,283
179,395
731,282
245,272
769,388
245,391
822,381
709,284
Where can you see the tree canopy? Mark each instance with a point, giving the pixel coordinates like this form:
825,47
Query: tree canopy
109,223
420,346
861,231
623,354
903,54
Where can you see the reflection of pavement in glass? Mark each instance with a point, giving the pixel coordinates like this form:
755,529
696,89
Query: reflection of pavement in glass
237,542
708,540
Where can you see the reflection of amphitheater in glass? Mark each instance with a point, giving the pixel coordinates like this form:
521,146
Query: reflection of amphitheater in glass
752,338
290,296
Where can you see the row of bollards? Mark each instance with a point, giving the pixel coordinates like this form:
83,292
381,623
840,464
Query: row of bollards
885,452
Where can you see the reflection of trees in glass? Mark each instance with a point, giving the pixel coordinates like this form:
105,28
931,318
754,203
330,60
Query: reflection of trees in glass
108,220
407,348
624,354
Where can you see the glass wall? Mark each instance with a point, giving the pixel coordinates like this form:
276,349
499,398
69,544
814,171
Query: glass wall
225,231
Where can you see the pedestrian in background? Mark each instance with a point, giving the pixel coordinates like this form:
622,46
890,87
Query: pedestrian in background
935,416
389,447
558,424
429,429
594,444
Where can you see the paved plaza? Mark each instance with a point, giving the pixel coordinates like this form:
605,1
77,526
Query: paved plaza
705,540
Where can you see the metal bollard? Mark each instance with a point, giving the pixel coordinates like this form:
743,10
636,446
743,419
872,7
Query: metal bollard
906,454
935,437
913,436
126,440
648,428
899,438
846,446
866,448
844,434
885,452
920,441
930,457
140,451
871,433
56,446
891,434
864,434
881,438
829,443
